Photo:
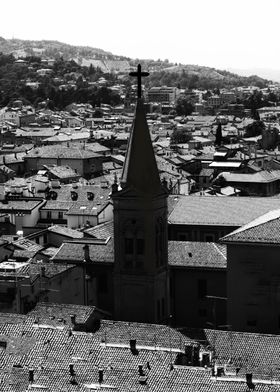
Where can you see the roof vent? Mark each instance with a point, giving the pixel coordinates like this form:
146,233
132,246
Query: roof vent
74,195
90,195
143,380
190,254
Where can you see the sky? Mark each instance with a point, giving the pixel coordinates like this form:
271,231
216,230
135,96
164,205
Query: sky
225,34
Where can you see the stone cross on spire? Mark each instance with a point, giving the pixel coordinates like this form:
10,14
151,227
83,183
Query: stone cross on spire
139,74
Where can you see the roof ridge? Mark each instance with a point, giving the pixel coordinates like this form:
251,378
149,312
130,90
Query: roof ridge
259,221
219,250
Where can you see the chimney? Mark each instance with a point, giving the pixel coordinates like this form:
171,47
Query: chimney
31,375
115,184
100,376
164,183
249,378
132,343
43,271
71,369
73,319
86,253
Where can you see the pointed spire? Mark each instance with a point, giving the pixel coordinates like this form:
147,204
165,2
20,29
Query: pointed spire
140,170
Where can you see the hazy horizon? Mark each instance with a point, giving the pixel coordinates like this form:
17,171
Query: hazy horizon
224,35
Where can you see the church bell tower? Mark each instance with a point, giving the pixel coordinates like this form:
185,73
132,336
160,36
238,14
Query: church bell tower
141,278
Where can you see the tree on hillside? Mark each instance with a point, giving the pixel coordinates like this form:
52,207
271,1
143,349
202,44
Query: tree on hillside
254,129
179,136
184,107
255,114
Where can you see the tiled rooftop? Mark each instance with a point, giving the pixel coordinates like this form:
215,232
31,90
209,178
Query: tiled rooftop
55,151
263,176
221,211
264,229
102,231
49,348
66,231
19,205
74,252
195,254
45,312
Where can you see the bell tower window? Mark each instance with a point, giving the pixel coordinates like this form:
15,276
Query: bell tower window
129,246
134,246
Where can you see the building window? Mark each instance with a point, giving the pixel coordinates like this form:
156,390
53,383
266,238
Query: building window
159,242
202,312
162,308
252,322
49,215
182,237
209,237
60,215
103,283
140,246
134,246
129,246
202,288
158,310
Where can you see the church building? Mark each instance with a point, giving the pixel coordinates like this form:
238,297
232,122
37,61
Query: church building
132,270
141,274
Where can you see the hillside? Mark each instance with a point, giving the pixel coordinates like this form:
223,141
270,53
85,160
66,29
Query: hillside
162,72
53,49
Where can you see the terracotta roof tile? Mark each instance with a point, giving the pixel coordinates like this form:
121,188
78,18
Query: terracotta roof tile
195,255
222,211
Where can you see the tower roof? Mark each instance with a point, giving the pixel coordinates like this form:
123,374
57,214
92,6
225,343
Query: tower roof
140,170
